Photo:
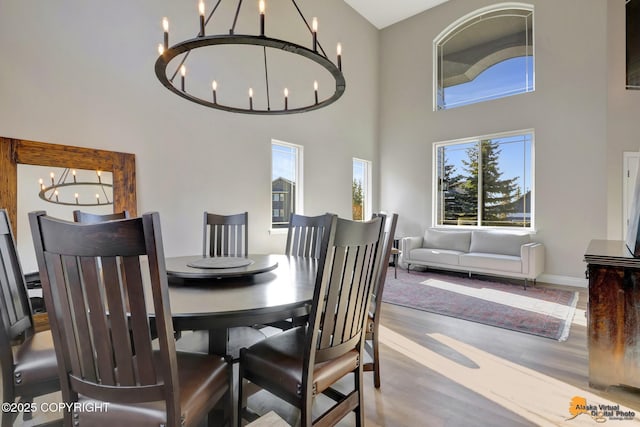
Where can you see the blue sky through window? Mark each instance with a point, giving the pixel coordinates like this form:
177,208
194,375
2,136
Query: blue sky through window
283,162
509,77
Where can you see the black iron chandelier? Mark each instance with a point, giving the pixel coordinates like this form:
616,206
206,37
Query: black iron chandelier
61,189
287,103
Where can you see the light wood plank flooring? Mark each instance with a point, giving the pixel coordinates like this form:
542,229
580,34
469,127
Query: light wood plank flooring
441,371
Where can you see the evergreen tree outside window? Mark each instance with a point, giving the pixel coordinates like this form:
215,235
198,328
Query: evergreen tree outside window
361,190
485,55
485,182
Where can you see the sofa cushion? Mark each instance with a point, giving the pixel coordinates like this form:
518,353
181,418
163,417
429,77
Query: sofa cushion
451,240
437,256
494,242
485,261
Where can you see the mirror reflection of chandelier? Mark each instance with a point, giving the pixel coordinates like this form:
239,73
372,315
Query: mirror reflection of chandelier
268,93
69,190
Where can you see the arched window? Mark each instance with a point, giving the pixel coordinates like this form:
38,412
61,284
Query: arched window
485,55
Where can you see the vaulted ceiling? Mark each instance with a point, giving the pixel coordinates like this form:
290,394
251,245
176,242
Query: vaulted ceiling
382,13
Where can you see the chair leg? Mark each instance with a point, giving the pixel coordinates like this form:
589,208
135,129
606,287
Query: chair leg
242,398
357,384
376,361
7,418
26,416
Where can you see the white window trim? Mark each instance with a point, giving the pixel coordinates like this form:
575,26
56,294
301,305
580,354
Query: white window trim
434,179
458,22
367,187
299,173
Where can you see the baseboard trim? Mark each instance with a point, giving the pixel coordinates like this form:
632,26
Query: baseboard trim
563,280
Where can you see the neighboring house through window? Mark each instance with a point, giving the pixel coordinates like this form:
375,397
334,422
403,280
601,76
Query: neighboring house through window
485,181
361,190
286,182
487,54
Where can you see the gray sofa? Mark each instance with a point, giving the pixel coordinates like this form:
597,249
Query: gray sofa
488,252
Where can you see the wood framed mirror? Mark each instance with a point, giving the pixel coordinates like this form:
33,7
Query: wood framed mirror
18,151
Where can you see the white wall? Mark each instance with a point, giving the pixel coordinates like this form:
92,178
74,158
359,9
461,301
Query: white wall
568,112
82,73
623,126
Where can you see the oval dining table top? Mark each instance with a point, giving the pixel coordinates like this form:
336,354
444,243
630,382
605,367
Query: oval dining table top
215,302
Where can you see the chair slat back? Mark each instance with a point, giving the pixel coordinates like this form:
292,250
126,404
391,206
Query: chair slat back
94,286
304,237
15,309
343,288
225,235
90,218
378,286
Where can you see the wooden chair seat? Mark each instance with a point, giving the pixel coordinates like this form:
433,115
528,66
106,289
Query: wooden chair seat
203,381
35,363
276,363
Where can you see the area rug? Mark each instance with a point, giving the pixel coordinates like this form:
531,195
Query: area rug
537,310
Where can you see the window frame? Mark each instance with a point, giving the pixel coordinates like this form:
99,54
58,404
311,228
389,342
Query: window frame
461,22
434,181
367,188
299,182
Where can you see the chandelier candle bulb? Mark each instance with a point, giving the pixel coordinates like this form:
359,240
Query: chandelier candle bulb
315,90
56,194
339,51
165,27
99,176
160,49
214,87
250,98
73,172
201,13
286,98
52,175
76,195
183,73
314,31
261,7
41,182
97,198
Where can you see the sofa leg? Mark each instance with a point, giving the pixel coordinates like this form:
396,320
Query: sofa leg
408,267
525,284
468,272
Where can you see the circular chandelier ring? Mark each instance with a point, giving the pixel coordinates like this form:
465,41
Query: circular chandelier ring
54,187
237,39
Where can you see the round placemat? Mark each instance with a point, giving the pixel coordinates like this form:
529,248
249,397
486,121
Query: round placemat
220,262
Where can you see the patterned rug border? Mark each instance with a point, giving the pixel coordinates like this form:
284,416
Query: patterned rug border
511,318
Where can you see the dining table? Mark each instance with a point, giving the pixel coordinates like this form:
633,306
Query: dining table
269,289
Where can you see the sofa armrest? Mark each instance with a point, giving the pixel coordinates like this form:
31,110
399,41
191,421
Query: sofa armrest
532,255
407,244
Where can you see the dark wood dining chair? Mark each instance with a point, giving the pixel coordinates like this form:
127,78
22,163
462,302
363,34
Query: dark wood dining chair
102,332
225,235
298,364
27,358
373,319
304,236
91,218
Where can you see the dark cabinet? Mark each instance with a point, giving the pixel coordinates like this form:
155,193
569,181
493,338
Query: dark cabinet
613,316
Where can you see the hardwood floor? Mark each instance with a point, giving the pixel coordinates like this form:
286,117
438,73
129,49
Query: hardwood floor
441,371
